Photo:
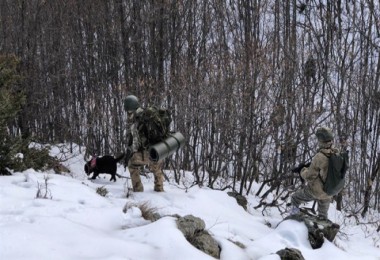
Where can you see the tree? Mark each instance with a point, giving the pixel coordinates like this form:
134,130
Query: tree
11,100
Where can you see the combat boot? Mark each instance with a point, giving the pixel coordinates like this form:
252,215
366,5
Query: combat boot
158,188
158,182
138,187
294,211
136,180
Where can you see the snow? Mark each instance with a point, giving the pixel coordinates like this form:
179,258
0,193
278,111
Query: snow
74,222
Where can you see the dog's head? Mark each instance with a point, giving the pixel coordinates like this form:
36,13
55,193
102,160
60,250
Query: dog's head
87,168
90,166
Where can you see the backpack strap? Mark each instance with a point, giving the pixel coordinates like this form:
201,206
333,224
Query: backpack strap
319,175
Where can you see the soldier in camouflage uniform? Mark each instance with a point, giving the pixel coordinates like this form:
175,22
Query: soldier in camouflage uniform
140,157
315,174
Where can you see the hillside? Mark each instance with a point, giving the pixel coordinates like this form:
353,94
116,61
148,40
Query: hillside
74,222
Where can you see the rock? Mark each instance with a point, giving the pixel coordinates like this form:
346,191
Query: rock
290,254
193,229
241,200
60,168
206,243
190,225
318,228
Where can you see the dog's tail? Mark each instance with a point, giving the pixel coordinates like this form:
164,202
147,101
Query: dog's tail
120,157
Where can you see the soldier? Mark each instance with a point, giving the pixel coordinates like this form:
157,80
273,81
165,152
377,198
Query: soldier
315,176
140,155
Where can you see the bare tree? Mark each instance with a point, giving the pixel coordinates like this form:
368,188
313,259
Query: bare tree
247,81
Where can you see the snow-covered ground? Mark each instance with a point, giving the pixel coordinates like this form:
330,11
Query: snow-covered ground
75,222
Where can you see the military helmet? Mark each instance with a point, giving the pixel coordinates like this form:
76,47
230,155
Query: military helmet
324,134
131,103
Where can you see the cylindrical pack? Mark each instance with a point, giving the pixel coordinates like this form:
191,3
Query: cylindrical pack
166,147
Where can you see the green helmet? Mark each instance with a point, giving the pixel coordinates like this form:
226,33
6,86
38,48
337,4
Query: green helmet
324,134
131,103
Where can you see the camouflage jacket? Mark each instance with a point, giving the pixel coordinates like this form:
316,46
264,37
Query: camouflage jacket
317,172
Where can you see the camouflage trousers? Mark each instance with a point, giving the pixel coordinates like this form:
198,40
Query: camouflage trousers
304,195
136,164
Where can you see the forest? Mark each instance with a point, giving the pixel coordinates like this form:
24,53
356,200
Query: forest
247,82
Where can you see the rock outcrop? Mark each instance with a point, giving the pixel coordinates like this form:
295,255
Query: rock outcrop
193,229
290,254
240,199
318,228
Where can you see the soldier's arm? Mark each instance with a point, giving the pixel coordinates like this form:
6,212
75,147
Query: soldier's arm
311,172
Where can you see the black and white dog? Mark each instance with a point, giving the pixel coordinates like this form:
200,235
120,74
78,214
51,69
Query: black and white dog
104,164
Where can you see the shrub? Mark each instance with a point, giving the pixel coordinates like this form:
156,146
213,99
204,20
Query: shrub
38,159
102,191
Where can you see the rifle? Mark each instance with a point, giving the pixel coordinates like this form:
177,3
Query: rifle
129,152
128,156
299,168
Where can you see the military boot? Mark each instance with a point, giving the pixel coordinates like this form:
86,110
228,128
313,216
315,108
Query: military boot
138,187
158,176
158,188
136,180
158,182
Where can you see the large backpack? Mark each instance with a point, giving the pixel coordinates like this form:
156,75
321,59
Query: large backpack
154,124
338,164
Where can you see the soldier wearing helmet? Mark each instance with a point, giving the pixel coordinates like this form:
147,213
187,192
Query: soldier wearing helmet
140,155
315,175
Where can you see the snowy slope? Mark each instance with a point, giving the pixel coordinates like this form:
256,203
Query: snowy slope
77,223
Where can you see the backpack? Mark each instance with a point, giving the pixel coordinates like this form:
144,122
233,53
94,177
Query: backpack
338,164
154,124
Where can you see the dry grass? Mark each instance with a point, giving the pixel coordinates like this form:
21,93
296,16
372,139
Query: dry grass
147,211
102,191
43,191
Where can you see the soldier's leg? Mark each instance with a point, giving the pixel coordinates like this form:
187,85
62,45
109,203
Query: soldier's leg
156,168
323,208
135,165
301,196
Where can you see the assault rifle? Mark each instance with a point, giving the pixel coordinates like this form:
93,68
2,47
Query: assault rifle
299,168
